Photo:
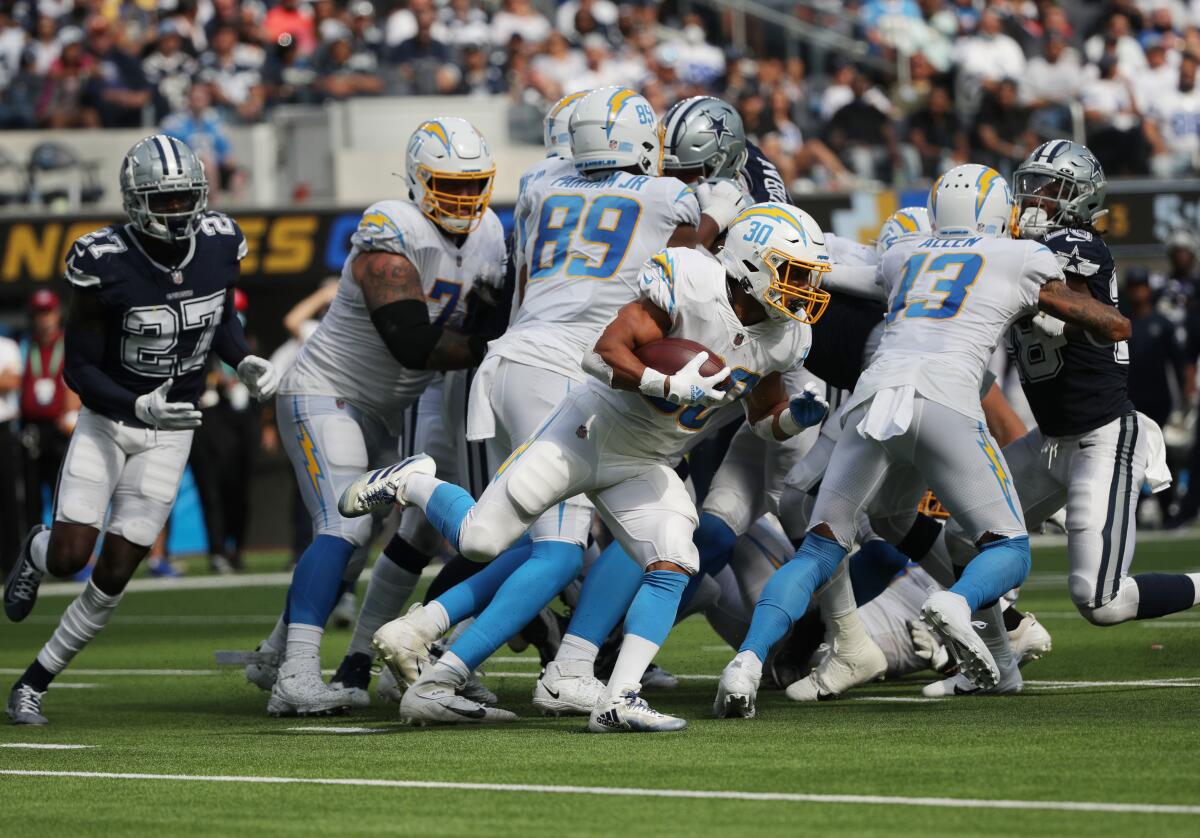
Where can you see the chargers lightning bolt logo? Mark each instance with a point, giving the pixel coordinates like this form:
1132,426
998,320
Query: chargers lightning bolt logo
989,451
616,104
310,458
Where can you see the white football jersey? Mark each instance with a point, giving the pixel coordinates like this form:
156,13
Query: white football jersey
846,251
587,241
949,302
690,286
530,191
345,357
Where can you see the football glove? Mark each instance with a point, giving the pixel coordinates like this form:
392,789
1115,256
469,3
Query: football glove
1048,325
721,200
688,386
260,377
154,409
808,407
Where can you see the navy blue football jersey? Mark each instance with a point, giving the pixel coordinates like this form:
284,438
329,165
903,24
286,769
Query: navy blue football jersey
761,179
839,338
159,321
1074,387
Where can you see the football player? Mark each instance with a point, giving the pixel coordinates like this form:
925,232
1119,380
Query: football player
150,300
1090,450
396,320
915,416
614,438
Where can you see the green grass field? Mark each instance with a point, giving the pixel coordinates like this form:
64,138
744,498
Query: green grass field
1110,717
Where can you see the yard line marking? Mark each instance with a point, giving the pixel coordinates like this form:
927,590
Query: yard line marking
899,699
1187,683
617,791
44,746
348,730
72,685
180,620
1170,624
513,659
133,672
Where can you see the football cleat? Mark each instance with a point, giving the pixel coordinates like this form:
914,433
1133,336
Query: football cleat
404,643
567,688
25,705
840,671
383,487
299,691
263,672
657,678
949,616
346,611
1010,682
629,713
387,688
544,632
433,702
737,691
474,690
20,591
1030,640
354,674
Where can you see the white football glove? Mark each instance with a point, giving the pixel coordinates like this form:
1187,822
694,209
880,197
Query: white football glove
927,646
260,377
154,409
808,407
721,200
1048,325
687,386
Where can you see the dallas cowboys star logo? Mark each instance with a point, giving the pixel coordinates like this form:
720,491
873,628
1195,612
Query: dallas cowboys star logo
1073,260
717,127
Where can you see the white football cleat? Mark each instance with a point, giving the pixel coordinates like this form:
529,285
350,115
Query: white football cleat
474,690
263,671
386,687
955,685
657,678
1030,640
567,688
299,691
25,706
840,671
949,615
381,488
404,643
433,702
737,691
629,713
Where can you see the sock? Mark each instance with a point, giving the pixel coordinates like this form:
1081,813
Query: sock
405,556
1012,618
37,550
608,589
1165,593
529,588
838,605
786,596
87,614
575,648
36,676
445,504
303,641
1000,566
317,580
471,596
450,669
637,653
387,592
277,638
714,540
1195,577
873,568
994,634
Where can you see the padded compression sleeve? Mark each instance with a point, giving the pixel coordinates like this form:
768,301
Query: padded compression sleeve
230,340
84,373
406,331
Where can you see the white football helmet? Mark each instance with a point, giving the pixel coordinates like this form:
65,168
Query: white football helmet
615,128
971,200
450,173
777,254
902,222
556,132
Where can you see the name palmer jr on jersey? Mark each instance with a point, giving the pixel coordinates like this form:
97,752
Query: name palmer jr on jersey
1074,386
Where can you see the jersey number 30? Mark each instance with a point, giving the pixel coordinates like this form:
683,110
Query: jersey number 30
151,341
604,236
934,288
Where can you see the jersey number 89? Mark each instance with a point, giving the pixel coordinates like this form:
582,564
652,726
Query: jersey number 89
603,237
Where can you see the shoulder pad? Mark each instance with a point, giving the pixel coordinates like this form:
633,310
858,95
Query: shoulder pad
386,225
220,226
1079,252
89,255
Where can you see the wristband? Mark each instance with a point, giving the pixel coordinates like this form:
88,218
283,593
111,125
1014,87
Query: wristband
653,383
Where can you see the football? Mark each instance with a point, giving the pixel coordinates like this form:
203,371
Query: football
670,355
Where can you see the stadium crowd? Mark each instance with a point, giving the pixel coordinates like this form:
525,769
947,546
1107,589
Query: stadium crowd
945,81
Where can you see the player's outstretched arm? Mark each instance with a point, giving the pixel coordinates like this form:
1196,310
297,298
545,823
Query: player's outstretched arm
774,415
1089,316
392,289
83,367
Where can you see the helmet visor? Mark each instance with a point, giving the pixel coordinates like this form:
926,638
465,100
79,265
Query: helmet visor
795,287
457,201
1047,192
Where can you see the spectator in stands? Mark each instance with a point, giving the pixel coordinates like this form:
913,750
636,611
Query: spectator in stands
48,407
12,44
1114,126
1157,360
186,19
518,17
19,98
63,102
118,89
557,66
1173,125
236,84
597,56
603,12
11,524
224,13
987,58
1002,137
289,17
419,59
1117,41
479,76
288,76
1158,79
937,134
1177,288
201,126
366,37
45,46
863,137
1051,83
464,24
342,72
169,71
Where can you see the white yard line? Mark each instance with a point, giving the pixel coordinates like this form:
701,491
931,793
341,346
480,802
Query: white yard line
153,673
616,791
73,685
343,730
44,746
175,620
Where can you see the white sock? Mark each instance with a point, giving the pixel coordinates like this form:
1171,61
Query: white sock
637,653
750,659
575,648
450,669
387,592
80,623
304,641
435,612
1195,577
836,599
419,488
277,639
37,550
994,635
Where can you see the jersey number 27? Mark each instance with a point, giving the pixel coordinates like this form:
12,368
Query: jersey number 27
150,345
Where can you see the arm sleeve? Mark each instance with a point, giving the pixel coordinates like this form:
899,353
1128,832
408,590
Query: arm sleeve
83,368
858,280
230,340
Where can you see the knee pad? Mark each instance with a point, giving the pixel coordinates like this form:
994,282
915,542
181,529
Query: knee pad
480,543
1082,590
1112,610
538,479
342,444
140,531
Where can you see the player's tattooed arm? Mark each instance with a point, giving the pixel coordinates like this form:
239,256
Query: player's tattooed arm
636,324
392,290
1085,316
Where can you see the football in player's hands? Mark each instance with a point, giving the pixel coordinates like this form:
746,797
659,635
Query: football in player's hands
691,379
